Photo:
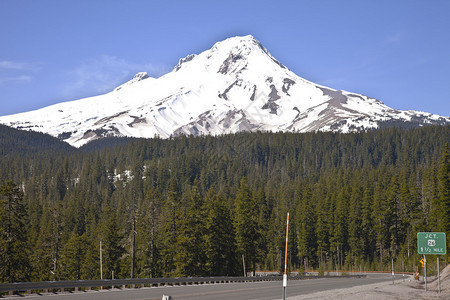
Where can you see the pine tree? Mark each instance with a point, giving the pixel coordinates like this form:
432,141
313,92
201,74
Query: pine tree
307,229
264,220
90,268
111,244
355,222
340,231
322,231
246,225
380,217
170,227
43,251
220,240
392,215
368,239
148,237
354,200
444,191
73,257
189,258
14,263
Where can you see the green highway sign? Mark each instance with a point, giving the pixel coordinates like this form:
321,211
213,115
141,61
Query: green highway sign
431,243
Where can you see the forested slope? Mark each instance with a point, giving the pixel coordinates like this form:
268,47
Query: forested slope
193,205
19,142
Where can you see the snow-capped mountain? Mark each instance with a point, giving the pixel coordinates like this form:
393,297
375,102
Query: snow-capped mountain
234,86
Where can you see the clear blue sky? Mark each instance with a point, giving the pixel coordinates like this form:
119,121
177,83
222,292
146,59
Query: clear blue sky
397,51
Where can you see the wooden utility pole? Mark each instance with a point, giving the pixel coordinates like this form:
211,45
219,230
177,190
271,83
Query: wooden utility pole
393,274
133,245
101,263
285,259
243,265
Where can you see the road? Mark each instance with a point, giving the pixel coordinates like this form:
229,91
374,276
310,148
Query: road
266,290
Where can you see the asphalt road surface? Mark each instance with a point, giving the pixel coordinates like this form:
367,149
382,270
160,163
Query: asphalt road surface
223,291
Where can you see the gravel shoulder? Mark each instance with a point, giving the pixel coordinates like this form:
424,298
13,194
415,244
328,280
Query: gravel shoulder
407,289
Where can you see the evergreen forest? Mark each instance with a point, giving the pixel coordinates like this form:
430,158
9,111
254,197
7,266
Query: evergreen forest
210,206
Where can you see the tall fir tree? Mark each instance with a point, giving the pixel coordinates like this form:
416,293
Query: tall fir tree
148,235
246,225
220,239
444,192
307,229
112,248
14,249
170,227
190,255
73,257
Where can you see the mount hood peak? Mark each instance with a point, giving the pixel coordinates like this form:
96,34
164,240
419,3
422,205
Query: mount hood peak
237,85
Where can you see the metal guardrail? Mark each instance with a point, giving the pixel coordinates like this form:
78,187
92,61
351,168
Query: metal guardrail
46,286
77,284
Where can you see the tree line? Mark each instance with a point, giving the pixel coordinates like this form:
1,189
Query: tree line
210,206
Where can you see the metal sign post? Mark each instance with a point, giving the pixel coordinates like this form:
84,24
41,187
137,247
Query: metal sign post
439,276
425,271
